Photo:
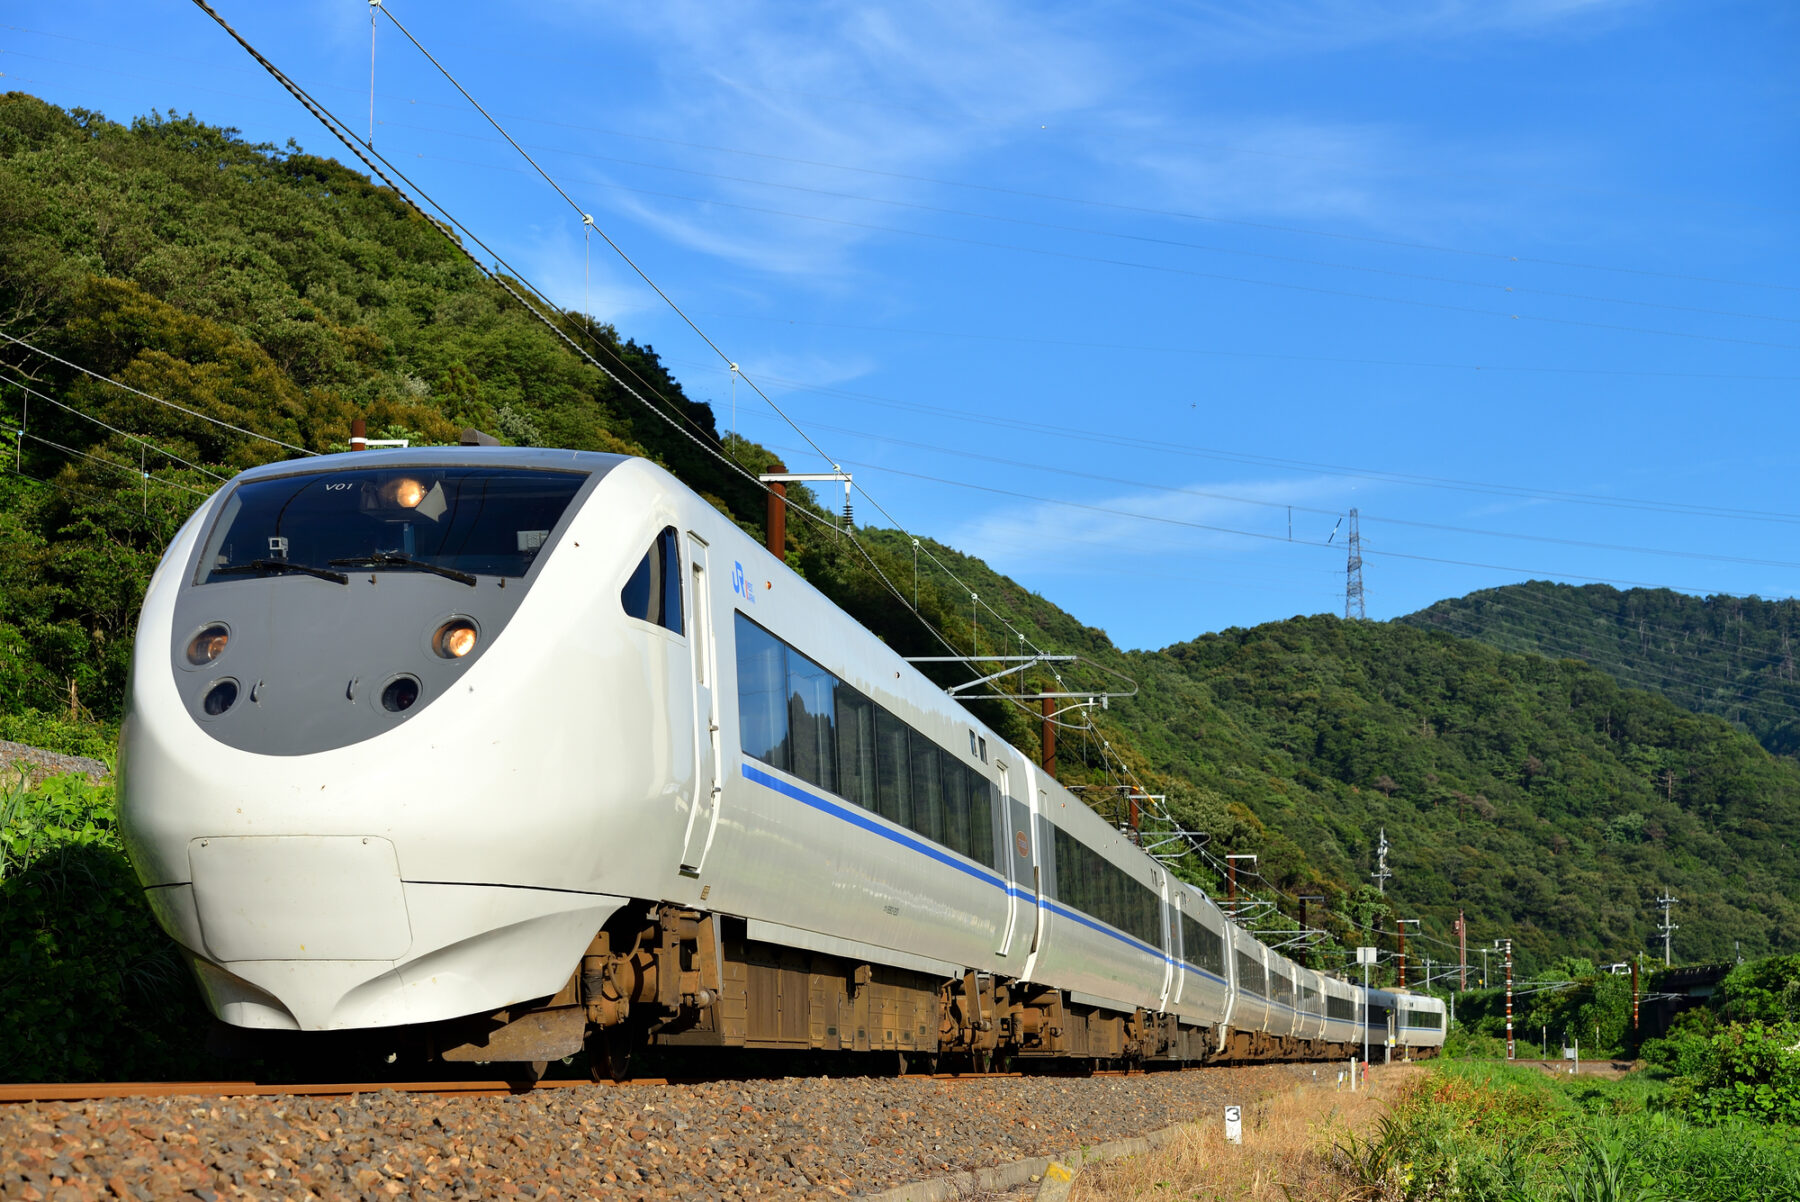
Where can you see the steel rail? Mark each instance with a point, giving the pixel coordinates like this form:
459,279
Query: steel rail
100,1090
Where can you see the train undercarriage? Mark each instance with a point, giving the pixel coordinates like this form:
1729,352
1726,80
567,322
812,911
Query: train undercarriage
685,979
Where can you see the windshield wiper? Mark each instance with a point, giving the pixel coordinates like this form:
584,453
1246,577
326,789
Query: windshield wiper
281,565
393,559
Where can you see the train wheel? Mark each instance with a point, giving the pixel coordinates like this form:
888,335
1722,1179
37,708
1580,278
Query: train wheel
609,1052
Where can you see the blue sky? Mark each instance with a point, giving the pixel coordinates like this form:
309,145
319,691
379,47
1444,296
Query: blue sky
1097,291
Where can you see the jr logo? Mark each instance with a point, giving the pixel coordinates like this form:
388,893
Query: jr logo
739,585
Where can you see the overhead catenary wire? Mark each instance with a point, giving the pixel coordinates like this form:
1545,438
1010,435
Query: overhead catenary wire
388,173
1328,359
1255,459
589,222
1261,535
135,472
148,396
1240,353
1166,268
1089,231
640,136
1208,494
121,433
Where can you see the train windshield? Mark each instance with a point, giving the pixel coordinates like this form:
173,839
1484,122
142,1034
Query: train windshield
454,521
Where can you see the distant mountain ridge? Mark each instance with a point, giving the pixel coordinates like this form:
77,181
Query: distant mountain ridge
1734,657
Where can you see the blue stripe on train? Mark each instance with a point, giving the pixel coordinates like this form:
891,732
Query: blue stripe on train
950,859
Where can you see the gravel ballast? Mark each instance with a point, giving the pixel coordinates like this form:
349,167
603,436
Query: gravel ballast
33,764
792,1137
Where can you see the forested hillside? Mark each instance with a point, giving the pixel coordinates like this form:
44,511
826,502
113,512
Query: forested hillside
1730,656
281,294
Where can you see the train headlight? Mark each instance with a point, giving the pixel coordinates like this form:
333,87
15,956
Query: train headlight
455,638
208,645
404,492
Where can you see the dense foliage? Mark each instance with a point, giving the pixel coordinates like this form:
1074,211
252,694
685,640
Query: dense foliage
1509,1133
1729,656
90,988
1739,1057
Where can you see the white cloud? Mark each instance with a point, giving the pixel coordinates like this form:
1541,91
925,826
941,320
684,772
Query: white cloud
1189,522
1285,27
911,91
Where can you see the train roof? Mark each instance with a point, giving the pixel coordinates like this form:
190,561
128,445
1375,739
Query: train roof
596,463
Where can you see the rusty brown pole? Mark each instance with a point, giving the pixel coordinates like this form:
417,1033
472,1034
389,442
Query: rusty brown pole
776,527
1304,958
1634,993
1049,738
359,435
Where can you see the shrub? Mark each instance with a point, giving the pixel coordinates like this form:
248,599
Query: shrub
90,987
1749,1070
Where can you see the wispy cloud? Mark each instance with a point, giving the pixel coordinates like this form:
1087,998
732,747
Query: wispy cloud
1286,27
910,91
1173,522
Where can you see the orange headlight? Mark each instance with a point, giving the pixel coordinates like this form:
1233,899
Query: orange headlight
208,645
455,638
405,492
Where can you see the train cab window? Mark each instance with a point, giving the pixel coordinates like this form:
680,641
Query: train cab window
812,722
654,591
762,693
892,797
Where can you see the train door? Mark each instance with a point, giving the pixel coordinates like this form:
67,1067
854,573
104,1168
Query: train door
703,814
1016,853
1179,951
1166,909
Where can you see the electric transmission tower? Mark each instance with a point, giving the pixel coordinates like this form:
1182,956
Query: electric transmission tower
1353,584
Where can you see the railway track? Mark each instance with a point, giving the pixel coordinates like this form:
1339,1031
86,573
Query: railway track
99,1090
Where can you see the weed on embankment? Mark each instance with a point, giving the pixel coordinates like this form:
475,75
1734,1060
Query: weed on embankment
1470,1132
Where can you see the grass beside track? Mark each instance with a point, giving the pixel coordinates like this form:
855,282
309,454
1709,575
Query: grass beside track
1478,1132
1286,1154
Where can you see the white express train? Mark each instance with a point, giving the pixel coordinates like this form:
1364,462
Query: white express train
526,750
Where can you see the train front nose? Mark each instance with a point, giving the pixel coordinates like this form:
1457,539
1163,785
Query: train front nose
333,789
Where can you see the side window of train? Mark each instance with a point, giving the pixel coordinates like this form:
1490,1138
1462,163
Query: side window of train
799,717
654,591
1089,882
1202,946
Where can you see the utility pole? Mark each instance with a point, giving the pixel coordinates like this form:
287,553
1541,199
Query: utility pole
1484,979
1381,873
1462,947
1668,928
1634,993
1353,581
1507,944
1400,928
1231,878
